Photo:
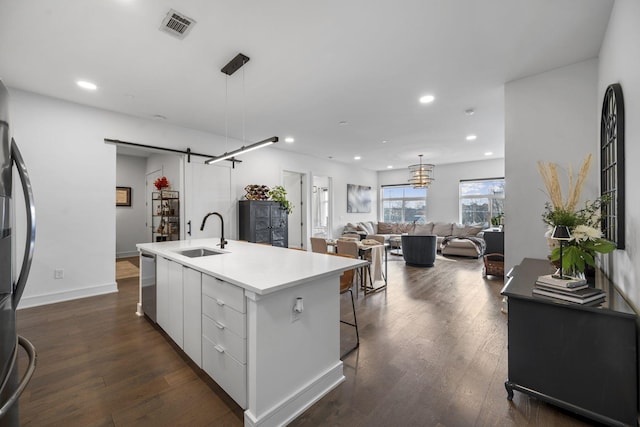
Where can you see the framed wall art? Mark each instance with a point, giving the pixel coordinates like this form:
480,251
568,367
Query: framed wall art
358,198
123,196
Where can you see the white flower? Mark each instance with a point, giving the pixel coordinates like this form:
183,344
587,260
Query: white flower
584,232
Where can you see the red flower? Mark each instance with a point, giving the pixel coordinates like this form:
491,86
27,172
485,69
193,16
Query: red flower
161,183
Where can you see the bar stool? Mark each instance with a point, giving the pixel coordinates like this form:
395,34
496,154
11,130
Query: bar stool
346,281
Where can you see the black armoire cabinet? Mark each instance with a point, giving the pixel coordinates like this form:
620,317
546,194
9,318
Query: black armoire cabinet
263,221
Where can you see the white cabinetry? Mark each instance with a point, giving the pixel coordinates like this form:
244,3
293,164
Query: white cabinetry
169,298
162,292
192,288
224,336
176,309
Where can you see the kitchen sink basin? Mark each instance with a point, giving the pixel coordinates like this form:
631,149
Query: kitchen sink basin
199,252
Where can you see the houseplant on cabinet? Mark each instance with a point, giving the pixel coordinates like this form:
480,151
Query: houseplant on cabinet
279,194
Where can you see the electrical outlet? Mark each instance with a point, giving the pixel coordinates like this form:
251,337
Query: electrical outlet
58,273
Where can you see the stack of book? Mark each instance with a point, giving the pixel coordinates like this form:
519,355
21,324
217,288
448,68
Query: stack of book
569,289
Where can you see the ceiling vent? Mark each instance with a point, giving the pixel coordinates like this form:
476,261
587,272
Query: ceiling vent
177,24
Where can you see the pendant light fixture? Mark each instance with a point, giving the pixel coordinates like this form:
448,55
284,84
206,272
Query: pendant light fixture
234,65
421,174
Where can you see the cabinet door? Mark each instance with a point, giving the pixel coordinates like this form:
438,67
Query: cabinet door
162,292
279,230
192,281
176,309
262,221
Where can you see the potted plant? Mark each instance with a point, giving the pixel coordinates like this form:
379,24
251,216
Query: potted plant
496,221
279,194
584,224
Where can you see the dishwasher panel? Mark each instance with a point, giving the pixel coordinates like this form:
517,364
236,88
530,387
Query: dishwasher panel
148,284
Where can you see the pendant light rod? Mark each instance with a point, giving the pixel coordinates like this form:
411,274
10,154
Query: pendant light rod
242,150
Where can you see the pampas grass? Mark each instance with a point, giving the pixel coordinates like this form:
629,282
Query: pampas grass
549,173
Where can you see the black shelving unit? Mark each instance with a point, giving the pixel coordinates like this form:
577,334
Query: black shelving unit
165,214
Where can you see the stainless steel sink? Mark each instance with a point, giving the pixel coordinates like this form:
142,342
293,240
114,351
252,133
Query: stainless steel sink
198,252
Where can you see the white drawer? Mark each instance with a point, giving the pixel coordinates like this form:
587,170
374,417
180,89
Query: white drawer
230,374
225,293
219,334
225,315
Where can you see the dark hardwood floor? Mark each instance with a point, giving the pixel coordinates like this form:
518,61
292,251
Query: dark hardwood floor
432,353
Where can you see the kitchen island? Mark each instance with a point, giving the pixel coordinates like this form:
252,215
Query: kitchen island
232,312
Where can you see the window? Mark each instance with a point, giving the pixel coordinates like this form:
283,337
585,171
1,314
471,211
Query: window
403,203
481,200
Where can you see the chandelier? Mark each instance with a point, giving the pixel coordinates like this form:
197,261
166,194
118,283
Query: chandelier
421,174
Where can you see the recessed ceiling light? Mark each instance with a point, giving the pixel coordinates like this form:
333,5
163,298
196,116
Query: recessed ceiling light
86,85
469,112
384,141
426,99
471,137
489,153
357,158
159,117
343,122
289,140
389,167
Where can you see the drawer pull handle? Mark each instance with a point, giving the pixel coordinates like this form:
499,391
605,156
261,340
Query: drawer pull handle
219,349
219,325
219,302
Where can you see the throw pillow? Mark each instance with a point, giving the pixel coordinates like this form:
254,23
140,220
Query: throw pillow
423,229
406,227
371,227
385,228
351,227
442,229
458,230
473,229
363,226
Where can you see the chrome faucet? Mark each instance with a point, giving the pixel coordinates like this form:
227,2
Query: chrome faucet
222,241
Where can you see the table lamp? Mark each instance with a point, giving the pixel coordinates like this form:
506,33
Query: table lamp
562,234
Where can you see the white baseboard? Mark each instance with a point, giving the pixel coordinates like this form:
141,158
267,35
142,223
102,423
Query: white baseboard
127,254
287,410
37,300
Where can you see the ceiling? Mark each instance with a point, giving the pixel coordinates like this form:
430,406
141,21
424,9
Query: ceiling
341,77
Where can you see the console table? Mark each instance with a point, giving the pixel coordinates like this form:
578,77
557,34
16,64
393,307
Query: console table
583,359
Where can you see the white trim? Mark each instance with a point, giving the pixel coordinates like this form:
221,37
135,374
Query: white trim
128,254
37,300
299,401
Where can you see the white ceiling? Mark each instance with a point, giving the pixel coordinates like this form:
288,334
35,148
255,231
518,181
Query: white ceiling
313,65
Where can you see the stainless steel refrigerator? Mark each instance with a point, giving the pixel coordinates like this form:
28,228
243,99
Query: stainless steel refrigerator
12,281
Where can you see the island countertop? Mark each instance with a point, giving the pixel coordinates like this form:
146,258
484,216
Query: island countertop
256,268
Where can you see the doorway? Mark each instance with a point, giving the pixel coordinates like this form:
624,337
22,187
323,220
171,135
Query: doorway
321,207
294,184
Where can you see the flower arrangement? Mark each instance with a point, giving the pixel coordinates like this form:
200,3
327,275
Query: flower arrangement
161,183
584,224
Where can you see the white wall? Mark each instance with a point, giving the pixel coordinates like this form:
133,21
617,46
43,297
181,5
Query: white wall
551,117
130,220
620,63
442,196
73,174
265,167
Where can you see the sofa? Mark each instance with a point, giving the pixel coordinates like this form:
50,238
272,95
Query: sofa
452,238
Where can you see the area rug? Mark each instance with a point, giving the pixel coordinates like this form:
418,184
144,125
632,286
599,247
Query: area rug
125,269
